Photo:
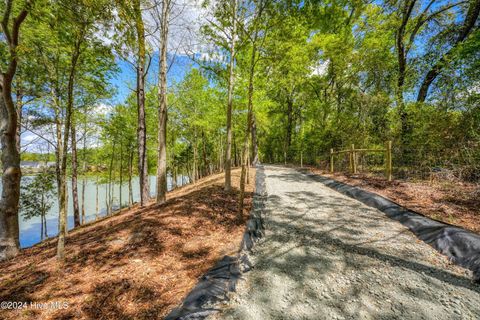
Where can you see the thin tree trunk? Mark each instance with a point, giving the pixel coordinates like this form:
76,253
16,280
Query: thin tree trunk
19,108
45,226
235,158
110,170
248,162
59,148
254,141
206,164
63,169
96,199
247,129
220,155
402,67
41,222
130,174
141,127
231,80
289,128
84,170
76,209
107,197
194,168
174,166
121,175
162,108
174,178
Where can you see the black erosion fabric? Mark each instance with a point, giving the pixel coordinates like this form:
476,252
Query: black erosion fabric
460,245
214,286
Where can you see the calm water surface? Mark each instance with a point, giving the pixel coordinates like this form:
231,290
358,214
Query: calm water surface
30,229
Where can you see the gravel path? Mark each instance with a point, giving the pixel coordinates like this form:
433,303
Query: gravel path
326,256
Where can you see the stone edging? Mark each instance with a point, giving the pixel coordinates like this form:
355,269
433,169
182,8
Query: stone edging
459,245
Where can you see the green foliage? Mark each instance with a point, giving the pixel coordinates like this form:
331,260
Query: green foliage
37,195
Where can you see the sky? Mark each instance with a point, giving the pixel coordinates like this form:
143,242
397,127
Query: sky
125,80
187,16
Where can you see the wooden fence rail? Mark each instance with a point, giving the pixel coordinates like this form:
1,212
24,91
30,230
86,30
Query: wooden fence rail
352,152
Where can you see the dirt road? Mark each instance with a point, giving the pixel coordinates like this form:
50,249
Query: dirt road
326,256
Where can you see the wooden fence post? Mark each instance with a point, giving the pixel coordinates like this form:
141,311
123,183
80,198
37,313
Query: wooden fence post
331,160
353,160
388,160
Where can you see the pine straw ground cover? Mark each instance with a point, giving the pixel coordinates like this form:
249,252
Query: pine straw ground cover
456,203
138,264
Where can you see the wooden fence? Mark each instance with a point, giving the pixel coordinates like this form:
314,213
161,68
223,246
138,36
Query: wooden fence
352,152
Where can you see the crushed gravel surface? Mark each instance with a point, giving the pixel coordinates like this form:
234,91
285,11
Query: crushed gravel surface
327,256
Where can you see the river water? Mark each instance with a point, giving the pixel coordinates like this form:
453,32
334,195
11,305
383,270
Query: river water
30,229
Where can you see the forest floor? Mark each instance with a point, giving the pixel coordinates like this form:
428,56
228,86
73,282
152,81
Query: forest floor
138,264
456,203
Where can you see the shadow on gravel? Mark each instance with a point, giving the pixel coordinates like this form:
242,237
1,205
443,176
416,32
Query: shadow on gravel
300,246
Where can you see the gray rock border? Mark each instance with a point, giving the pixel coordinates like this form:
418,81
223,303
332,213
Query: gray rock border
214,286
462,247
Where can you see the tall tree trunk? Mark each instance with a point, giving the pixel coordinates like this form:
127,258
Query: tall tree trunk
76,209
254,141
288,141
62,227
235,158
107,197
45,226
220,155
110,171
141,127
19,108
9,238
231,80
406,13
10,157
248,163
247,128
41,225
42,215
195,156
121,176
162,108
84,170
206,164
174,169
130,174
59,148
174,178
96,198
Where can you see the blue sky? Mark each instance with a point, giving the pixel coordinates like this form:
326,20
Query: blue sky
125,80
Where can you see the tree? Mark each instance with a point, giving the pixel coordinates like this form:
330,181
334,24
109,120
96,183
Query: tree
132,27
465,30
162,106
414,20
37,199
12,20
255,28
231,84
221,30
82,17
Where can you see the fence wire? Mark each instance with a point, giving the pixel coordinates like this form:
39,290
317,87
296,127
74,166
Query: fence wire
412,164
